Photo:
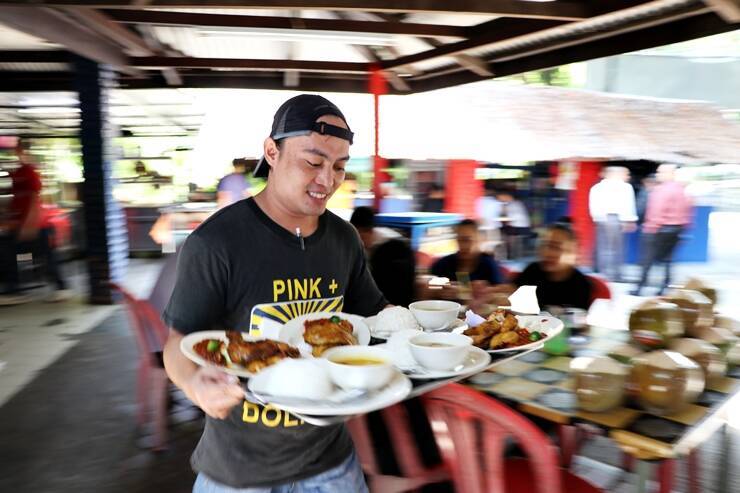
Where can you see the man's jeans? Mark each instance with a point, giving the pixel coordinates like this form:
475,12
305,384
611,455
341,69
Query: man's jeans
609,248
345,478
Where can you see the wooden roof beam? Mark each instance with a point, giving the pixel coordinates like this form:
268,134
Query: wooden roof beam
160,63
35,56
498,30
369,54
474,64
105,26
163,18
729,10
681,30
47,24
562,9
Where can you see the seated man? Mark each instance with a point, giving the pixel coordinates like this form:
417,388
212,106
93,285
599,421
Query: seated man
558,281
479,268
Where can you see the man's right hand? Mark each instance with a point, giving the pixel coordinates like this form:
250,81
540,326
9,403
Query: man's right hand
214,391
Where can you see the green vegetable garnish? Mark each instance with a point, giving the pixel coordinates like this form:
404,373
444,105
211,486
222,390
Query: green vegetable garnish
535,336
212,346
335,319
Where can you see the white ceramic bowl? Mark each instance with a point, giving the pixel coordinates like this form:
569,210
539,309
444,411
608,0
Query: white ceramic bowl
434,314
452,351
366,377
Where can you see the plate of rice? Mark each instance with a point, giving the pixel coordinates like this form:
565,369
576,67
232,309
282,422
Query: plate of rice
391,320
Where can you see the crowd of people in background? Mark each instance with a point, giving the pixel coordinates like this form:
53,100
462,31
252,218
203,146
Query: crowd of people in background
661,210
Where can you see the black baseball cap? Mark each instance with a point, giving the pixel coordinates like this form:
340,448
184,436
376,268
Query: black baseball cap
297,116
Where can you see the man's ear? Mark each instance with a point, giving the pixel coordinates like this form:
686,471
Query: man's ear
271,151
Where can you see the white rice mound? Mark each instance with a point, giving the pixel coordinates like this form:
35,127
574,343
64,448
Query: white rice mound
395,319
301,377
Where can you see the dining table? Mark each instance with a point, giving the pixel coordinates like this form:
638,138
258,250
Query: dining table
539,384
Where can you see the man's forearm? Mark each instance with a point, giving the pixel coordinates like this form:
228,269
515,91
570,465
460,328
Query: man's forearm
178,367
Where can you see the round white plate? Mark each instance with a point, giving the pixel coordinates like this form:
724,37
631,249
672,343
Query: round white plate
383,336
476,361
292,332
187,343
394,392
547,324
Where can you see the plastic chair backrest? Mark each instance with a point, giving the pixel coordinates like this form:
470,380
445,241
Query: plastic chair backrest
396,420
599,289
471,430
149,330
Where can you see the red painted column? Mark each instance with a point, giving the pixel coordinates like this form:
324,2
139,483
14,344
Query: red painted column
589,173
378,86
462,190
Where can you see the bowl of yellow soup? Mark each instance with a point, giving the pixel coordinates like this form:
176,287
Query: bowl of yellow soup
360,367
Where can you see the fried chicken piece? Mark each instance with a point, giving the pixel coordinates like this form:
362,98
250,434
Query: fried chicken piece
482,333
503,339
510,323
324,332
255,355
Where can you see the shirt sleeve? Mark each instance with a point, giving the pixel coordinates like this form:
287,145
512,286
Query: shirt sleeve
494,276
198,300
362,296
594,204
221,184
630,208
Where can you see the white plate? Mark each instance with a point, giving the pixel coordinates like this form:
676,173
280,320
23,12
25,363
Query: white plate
546,324
383,336
394,392
187,343
292,331
476,361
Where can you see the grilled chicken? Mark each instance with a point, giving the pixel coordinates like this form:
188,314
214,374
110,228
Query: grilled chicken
256,355
324,332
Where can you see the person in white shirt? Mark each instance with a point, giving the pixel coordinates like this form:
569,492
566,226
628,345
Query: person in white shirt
612,207
515,224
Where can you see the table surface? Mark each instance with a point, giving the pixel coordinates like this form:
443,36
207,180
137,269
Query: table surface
539,384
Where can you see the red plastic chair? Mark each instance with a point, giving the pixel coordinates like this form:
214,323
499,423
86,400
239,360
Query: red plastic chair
151,379
471,430
414,473
599,289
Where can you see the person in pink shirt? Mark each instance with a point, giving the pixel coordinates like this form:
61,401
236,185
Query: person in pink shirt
669,211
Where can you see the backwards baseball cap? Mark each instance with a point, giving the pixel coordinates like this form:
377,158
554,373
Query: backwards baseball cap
297,116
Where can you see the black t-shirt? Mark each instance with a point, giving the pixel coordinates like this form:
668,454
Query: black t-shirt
240,270
486,270
573,292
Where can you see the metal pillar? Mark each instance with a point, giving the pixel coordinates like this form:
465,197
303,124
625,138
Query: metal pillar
107,242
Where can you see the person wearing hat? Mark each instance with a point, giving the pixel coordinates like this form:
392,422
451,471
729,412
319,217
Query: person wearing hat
252,267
